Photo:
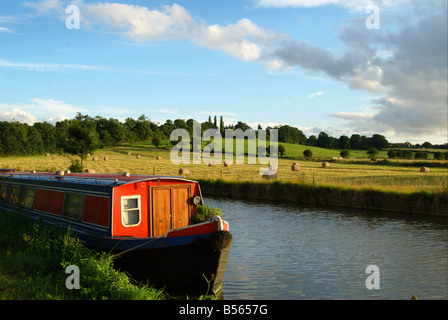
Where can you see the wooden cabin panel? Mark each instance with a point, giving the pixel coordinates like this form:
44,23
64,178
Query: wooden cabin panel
161,208
96,210
181,206
170,208
49,201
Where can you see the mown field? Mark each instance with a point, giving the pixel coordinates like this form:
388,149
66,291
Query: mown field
355,172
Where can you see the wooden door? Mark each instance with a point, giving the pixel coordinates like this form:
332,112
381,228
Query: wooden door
170,208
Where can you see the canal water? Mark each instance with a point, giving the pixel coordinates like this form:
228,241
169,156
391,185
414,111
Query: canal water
293,252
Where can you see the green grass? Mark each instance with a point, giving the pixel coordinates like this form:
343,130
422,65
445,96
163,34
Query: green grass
33,258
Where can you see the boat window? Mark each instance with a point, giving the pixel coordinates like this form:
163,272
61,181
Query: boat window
2,192
73,206
130,210
27,200
14,195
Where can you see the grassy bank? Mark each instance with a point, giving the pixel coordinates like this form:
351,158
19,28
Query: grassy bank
421,202
33,259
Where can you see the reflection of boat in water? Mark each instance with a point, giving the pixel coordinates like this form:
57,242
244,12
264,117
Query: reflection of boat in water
145,220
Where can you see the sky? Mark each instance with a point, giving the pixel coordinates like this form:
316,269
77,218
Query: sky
342,67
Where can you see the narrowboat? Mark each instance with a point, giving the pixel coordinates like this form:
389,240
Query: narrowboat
144,220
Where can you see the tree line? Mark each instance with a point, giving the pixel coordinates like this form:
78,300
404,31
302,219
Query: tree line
89,133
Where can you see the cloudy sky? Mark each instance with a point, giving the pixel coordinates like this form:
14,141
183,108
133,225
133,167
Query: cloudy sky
342,67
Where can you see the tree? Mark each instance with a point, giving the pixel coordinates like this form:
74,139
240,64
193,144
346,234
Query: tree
392,154
311,141
156,141
79,137
345,153
344,142
308,153
281,150
323,140
426,145
291,135
379,142
372,153
221,126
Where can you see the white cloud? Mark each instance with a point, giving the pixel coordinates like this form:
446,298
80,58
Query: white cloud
19,115
5,30
38,110
315,94
411,77
357,5
243,40
50,67
165,110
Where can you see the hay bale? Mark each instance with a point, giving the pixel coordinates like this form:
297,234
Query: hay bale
125,174
211,164
269,175
425,169
89,171
54,157
295,167
138,156
158,158
94,159
129,153
47,154
227,164
184,171
106,158
325,164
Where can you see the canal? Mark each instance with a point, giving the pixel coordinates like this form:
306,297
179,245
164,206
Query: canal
291,252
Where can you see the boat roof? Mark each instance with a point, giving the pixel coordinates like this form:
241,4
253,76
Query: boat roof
104,179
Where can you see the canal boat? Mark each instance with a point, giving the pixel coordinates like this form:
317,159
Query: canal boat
144,220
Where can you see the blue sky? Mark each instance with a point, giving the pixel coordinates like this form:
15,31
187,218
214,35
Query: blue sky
309,64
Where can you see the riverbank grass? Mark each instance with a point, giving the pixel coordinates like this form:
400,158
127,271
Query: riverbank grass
34,257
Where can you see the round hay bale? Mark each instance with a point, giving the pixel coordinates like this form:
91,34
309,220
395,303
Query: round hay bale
211,164
106,158
425,169
184,171
269,175
67,171
227,164
54,157
129,153
158,158
125,174
138,156
325,164
89,171
295,167
47,154
94,159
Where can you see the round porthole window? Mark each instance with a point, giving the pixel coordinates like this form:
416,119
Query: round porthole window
197,200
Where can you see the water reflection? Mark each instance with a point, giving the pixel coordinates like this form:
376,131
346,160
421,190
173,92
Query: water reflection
294,252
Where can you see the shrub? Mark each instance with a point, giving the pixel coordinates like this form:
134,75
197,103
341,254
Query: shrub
76,166
308,153
205,213
345,153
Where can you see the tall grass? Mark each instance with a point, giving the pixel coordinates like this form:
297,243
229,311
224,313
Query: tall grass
34,256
